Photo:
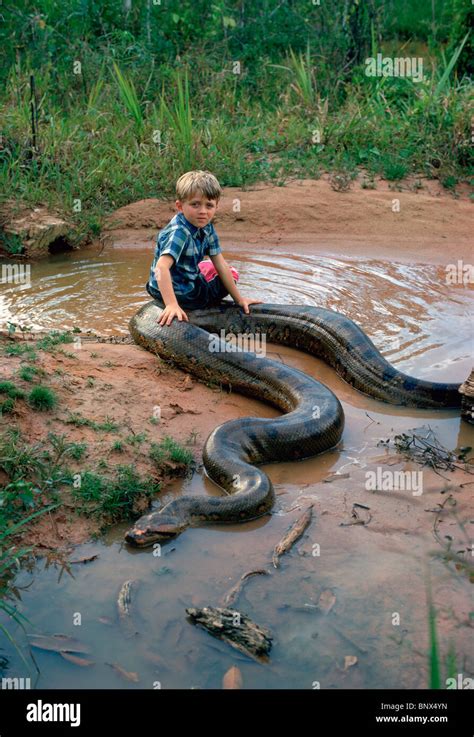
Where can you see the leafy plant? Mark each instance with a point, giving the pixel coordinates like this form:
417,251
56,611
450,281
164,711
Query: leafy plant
179,118
129,96
42,398
169,449
30,373
449,66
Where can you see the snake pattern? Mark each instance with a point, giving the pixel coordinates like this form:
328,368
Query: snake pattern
312,421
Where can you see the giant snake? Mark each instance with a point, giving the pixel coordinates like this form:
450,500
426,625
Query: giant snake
313,421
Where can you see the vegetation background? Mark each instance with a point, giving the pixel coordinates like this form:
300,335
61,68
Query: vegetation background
107,102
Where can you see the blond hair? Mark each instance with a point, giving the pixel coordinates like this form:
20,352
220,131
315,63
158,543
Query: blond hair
198,181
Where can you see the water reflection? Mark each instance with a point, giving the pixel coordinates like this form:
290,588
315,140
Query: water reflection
413,317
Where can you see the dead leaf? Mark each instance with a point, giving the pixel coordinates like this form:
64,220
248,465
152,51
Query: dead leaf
177,408
128,675
335,477
387,460
105,620
180,410
58,643
186,384
154,658
358,518
76,659
326,601
349,661
84,560
232,679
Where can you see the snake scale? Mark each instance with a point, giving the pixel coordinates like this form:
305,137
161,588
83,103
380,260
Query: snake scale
313,419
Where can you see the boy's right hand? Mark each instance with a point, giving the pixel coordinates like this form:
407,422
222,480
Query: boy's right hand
170,312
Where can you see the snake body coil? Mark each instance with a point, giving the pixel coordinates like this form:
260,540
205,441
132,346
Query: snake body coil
313,421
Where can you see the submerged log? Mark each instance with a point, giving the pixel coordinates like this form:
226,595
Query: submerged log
33,232
235,628
467,399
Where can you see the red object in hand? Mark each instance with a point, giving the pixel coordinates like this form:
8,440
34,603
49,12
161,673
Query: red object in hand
208,270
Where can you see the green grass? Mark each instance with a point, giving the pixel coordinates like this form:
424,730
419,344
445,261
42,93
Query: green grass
170,450
53,340
242,128
18,458
20,349
128,95
435,674
113,497
42,399
7,406
49,343
8,388
450,182
108,425
30,373
11,394
11,243
179,119
137,438
78,450
11,555
37,475
451,669
394,170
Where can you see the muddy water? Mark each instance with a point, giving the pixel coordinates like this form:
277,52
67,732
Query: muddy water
366,574
408,310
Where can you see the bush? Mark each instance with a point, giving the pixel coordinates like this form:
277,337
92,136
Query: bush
42,398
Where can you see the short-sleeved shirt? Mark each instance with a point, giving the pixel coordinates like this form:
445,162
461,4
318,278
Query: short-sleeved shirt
188,245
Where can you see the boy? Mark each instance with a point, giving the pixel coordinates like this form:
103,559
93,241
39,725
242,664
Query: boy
179,278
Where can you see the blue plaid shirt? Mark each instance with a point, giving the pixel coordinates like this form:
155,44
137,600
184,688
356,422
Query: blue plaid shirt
188,245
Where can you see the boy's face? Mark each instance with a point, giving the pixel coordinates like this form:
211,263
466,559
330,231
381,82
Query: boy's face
199,210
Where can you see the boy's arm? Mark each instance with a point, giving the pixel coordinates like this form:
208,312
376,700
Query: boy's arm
225,274
163,277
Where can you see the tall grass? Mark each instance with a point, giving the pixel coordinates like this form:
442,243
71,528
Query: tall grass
180,120
128,95
301,70
449,66
244,128
435,671
10,557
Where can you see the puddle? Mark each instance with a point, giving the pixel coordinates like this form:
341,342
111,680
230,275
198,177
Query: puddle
413,317
372,571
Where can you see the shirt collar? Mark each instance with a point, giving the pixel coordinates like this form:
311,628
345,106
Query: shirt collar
192,228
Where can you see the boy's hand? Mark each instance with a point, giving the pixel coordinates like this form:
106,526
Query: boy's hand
244,303
170,312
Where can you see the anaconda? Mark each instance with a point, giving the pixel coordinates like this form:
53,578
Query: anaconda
313,418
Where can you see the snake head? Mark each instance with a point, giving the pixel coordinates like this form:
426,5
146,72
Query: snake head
152,528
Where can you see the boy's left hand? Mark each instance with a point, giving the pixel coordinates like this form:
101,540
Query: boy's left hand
244,303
